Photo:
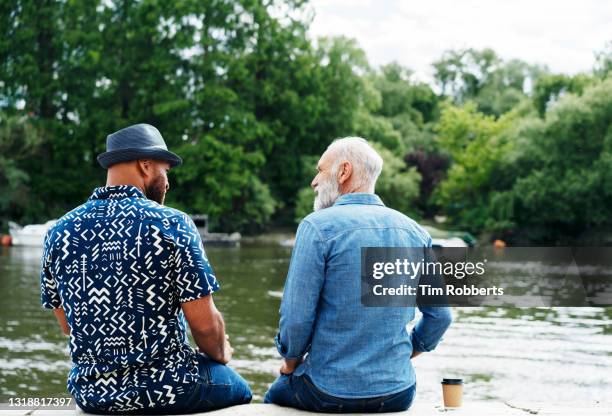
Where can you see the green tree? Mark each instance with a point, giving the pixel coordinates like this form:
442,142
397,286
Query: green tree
20,140
477,144
463,73
305,203
569,187
409,108
551,87
542,180
398,185
496,86
230,79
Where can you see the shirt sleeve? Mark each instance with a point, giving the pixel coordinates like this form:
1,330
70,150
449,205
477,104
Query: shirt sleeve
301,295
49,295
428,332
194,275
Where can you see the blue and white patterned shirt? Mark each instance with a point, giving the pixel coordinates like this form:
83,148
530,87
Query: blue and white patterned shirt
120,265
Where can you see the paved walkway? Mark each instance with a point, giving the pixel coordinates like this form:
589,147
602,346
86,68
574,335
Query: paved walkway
418,409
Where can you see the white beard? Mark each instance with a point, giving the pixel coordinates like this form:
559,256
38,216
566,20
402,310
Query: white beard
326,194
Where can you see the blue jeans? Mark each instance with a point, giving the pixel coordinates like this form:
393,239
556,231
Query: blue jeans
301,393
218,386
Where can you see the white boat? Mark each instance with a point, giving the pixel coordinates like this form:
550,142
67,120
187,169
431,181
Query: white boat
436,242
219,239
448,242
29,235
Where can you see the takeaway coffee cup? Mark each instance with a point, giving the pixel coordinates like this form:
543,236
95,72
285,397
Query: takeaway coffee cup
452,391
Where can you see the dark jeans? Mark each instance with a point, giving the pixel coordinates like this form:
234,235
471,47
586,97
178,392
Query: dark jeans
301,393
218,386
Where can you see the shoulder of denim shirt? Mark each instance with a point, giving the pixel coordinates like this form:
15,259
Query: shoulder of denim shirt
338,219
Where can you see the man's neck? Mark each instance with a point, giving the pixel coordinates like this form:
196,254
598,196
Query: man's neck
351,189
119,179
124,183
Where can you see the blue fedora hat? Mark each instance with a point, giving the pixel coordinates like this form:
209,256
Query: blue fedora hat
140,141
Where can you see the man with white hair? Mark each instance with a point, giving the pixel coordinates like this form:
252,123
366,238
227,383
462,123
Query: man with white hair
341,356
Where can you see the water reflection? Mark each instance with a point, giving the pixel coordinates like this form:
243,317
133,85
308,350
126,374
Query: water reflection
531,354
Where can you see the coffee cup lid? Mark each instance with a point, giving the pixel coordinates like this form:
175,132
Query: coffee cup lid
452,381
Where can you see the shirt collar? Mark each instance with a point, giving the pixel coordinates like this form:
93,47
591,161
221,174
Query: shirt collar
359,199
117,192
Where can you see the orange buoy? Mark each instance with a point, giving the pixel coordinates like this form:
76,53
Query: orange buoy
6,240
499,244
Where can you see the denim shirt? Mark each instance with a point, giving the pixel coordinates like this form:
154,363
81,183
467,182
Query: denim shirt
352,351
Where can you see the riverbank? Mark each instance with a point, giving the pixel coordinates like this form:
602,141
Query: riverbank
475,408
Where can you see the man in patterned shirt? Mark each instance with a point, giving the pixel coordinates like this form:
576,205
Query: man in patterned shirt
121,273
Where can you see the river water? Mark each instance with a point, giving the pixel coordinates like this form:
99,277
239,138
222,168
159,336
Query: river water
518,354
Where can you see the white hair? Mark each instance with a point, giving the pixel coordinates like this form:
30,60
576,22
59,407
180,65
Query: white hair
366,162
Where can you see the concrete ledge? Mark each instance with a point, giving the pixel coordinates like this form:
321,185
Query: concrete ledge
418,409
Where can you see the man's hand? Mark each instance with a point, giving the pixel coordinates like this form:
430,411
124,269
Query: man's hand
228,351
289,366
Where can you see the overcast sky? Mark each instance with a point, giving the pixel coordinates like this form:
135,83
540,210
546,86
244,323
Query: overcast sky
563,34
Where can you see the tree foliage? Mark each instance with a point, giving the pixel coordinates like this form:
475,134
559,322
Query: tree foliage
20,140
236,89
240,90
543,180
496,86
569,189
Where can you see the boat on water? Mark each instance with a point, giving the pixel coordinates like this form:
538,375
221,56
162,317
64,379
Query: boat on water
440,239
221,239
32,235
448,242
445,238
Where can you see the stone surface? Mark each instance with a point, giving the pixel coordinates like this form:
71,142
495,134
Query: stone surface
418,409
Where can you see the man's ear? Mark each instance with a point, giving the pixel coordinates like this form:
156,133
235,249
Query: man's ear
145,167
345,171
